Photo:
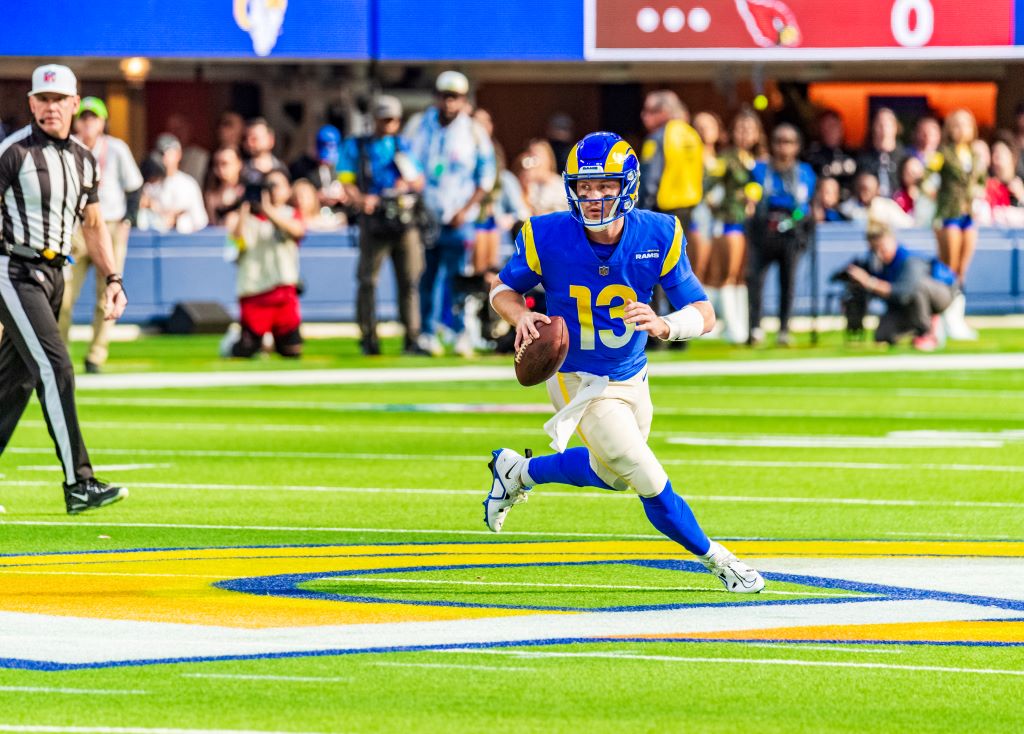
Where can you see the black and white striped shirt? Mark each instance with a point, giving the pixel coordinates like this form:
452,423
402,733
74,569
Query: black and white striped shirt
45,185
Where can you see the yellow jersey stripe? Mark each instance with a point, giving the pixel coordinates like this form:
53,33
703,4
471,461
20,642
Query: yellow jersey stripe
675,251
532,258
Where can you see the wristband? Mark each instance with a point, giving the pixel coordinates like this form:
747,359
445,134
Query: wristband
115,278
496,290
686,323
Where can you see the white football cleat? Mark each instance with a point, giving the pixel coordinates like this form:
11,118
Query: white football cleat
507,488
738,577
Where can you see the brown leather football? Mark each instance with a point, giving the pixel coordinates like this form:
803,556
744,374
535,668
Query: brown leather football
539,360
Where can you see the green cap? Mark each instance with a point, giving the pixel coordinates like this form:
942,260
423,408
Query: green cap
94,105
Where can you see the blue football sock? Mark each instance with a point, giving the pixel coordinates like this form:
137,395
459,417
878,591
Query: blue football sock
570,467
670,514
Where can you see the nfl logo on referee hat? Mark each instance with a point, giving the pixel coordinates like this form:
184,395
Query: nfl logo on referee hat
54,79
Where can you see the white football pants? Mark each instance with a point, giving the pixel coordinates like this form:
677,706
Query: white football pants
615,427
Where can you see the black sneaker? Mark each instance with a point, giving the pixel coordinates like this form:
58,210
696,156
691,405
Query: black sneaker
412,349
92,368
90,493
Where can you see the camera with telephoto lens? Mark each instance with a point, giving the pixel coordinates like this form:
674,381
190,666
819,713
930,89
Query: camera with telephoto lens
855,298
255,183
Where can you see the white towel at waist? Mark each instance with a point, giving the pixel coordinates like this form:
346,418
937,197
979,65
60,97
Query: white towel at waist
563,424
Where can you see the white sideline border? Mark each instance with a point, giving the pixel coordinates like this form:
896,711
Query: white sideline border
829,365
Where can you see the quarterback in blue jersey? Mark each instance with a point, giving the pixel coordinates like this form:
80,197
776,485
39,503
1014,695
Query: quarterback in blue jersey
598,264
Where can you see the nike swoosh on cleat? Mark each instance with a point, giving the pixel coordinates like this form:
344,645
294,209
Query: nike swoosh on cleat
79,497
508,474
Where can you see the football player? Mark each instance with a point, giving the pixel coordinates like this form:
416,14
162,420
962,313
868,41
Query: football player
598,264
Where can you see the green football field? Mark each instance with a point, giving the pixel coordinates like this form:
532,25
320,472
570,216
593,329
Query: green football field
313,558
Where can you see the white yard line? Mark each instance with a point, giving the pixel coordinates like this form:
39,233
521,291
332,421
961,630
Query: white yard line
522,409
294,529
842,391
99,468
605,495
282,678
456,666
72,691
944,535
895,439
305,428
749,661
834,442
368,456
609,495
840,365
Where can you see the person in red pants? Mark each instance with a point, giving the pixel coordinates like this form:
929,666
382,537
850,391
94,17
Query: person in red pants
266,233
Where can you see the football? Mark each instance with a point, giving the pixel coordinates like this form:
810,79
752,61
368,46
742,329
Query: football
540,359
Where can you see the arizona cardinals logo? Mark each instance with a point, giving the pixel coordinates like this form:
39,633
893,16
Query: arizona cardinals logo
770,23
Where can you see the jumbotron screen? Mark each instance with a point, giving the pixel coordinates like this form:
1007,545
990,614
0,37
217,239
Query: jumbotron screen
795,29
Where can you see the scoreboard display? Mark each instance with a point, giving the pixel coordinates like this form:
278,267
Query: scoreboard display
775,30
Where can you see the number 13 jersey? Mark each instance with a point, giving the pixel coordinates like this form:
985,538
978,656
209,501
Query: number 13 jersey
589,284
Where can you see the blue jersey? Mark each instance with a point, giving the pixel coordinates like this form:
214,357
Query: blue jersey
380,155
590,293
790,193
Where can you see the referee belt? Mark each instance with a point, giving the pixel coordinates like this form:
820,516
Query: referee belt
45,257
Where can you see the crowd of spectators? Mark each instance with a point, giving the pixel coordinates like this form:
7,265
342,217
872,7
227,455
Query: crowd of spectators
765,191
747,196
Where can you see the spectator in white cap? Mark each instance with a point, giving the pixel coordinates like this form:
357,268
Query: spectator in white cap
457,157
175,202
120,189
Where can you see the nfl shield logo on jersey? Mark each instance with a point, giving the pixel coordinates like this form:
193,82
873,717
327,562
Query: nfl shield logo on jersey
603,270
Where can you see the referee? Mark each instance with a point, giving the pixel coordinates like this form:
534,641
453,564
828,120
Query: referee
48,183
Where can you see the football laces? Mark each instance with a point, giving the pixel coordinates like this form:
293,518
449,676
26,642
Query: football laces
521,351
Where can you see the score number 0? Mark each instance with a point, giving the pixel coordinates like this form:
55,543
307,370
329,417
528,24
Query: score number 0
920,32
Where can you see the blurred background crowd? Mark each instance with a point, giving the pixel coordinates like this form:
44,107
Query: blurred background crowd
438,193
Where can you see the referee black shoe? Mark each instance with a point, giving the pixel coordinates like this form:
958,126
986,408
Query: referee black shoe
91,493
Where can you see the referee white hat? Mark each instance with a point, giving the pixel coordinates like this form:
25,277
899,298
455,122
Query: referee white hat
55,79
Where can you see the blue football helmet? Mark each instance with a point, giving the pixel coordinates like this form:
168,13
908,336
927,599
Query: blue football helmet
603,155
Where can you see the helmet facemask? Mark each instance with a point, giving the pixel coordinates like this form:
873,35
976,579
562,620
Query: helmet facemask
621,202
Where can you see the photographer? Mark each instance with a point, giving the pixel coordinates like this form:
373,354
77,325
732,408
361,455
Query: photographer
781,228
266,234
916,290
385,180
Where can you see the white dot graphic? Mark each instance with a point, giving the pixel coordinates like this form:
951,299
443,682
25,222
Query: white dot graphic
700,19
674,20
648,20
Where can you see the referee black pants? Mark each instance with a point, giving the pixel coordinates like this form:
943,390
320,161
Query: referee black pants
34,357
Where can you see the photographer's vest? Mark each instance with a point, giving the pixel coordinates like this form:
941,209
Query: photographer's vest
267,257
